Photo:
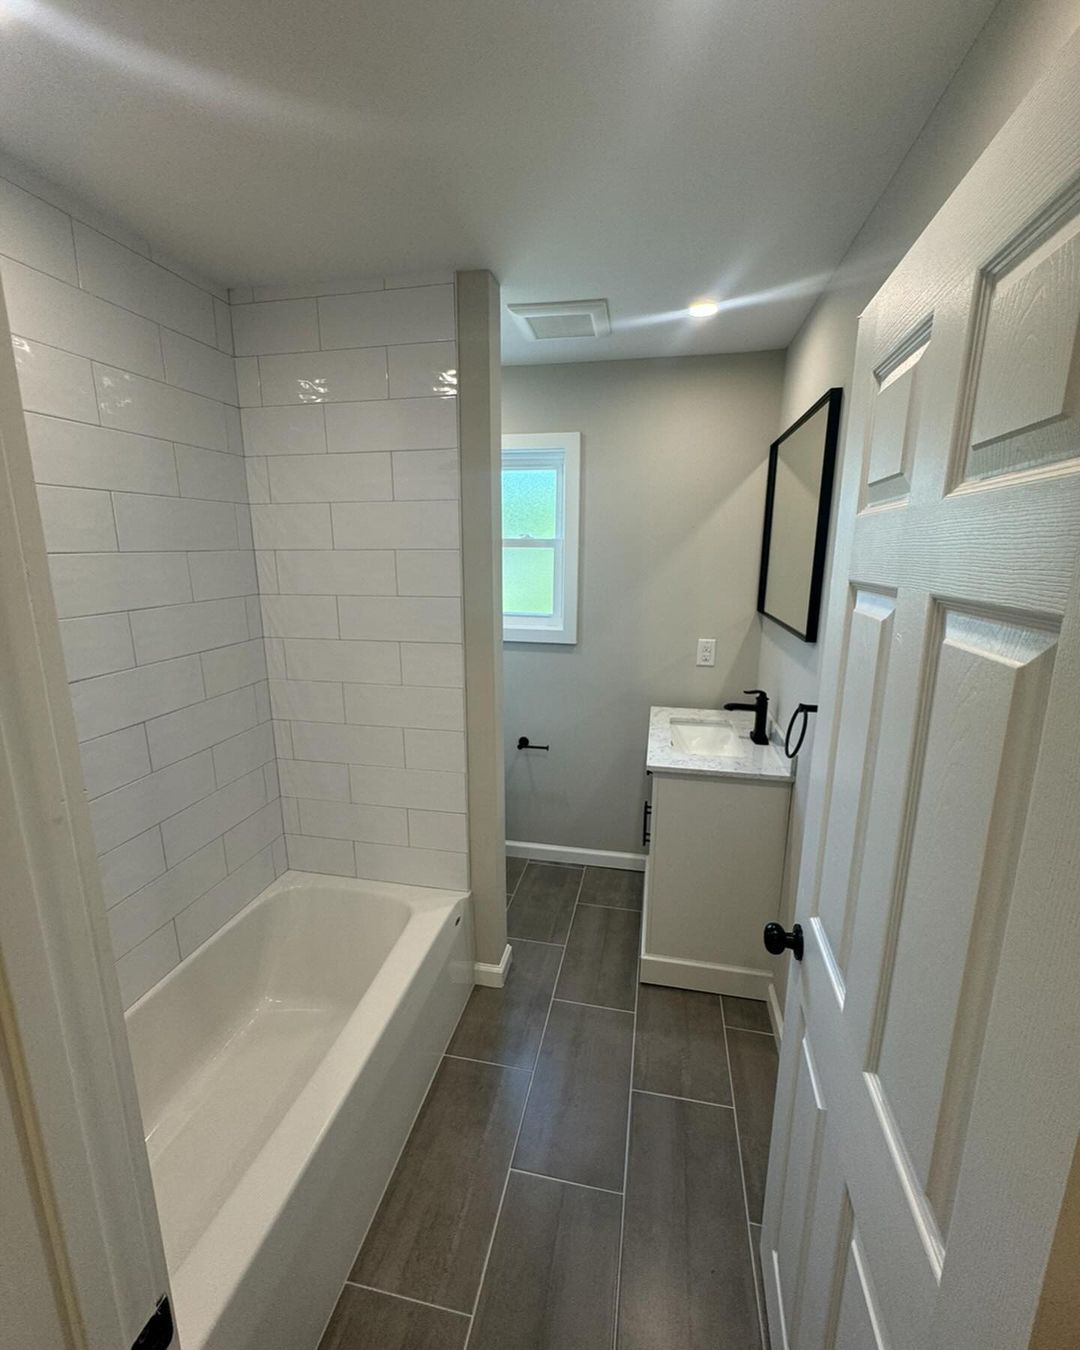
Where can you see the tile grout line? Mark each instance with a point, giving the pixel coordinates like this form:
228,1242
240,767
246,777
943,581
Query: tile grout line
405,1298
742,1175
626,1148
696,1101
602,1007
521,1121
562,1181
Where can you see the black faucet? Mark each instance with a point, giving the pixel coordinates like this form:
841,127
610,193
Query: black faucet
760,709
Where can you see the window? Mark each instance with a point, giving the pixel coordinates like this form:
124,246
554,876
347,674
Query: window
540,476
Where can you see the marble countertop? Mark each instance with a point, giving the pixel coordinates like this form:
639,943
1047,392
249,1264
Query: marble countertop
761,762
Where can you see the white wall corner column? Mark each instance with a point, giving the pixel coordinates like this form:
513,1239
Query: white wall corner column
479,426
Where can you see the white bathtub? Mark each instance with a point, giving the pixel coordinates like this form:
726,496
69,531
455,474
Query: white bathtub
279,1069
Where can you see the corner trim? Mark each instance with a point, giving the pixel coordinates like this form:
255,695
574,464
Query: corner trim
490,974
583,857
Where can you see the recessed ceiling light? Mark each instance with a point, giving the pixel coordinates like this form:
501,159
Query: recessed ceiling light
703,309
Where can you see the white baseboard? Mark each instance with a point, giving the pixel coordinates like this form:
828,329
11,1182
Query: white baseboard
584,857
490,974
705,976
776,1014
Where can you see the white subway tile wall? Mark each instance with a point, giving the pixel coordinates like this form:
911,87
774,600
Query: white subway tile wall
129,386
347,392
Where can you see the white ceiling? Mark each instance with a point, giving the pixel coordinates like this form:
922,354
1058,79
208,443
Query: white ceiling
646,151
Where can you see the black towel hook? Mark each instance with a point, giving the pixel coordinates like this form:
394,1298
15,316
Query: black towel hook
525,744
803,710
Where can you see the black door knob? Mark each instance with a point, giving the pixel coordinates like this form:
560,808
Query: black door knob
777,941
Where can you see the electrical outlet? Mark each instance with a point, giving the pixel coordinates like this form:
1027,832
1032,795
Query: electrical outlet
706,651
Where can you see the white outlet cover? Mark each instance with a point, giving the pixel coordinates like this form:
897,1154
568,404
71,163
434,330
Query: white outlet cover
706,652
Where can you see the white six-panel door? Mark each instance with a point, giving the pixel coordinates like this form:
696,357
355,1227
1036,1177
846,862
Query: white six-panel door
929,1093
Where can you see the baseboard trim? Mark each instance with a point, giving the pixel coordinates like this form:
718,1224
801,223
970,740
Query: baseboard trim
706,977
776,1014
583,857
490,974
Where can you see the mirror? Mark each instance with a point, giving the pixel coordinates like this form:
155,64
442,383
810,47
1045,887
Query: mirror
797,502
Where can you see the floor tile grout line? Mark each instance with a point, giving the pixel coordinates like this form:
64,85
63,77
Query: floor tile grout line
619,909
521,1122
492,1063
563,1181
742,1176
405,1298
540,942
626,1156
601,1007
673,1097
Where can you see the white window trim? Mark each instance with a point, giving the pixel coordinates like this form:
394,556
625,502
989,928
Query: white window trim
562,628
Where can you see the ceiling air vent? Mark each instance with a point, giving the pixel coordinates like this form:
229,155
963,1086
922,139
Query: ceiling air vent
564,319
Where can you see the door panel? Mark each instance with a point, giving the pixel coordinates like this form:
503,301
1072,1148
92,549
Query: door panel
924,1127
867,663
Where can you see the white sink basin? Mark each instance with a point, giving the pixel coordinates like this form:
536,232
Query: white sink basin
703,738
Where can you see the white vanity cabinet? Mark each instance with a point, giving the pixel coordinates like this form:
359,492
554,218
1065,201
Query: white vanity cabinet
715,863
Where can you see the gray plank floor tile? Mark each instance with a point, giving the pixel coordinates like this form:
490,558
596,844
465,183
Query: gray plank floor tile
680,1044
613,886
755,1248
753,1081
550,1282
430,1235
687,1276
601,964
366,1320
504,1026
514,869
543,903
748,1014
575,1122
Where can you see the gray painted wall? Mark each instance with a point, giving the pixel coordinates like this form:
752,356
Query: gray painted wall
673,465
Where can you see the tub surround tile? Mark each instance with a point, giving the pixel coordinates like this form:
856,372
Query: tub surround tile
504,1026
96,645
365,1319
575,1124
431,1233
680,1045
147,963
550,1282
687,1278
418,314
601,964
275,326
614,887
54,382
754,1061
36,232
412,866
332,856
129,391
76,454
543,903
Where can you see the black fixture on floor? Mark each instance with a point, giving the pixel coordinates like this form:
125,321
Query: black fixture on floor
760,709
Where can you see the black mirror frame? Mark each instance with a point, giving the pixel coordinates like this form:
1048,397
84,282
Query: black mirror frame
832,401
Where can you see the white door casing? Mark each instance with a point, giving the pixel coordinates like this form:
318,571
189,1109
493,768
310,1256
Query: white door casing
929,1091
73,1114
